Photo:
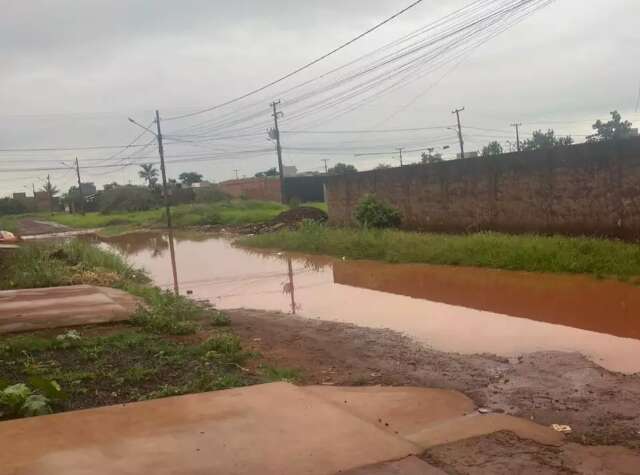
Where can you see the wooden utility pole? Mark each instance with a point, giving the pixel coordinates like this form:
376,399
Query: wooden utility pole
275,134
457,113
236,172
517,126
80,187
167,206
400,150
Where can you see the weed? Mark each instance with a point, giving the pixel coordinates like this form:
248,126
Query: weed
375,213
273,374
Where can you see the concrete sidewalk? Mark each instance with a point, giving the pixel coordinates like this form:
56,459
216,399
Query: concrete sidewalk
33,309
267,429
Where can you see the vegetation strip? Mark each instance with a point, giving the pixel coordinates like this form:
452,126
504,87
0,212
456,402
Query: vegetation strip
534,253
222,213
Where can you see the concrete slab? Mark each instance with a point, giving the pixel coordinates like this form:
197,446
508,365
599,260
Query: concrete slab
33,309
401,410
268,429
429,417
476,425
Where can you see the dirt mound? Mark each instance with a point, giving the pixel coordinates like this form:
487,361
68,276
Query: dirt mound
297,215
289,219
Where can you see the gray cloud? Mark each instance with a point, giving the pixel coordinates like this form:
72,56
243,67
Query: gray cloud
73,71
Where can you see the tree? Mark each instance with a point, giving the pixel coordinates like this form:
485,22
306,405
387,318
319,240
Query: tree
615,129
545,140
492,148
342,169
273,171
189,178
383,166
149,173
430,157
51,192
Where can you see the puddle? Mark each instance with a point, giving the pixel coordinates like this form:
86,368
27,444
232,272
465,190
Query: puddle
463,310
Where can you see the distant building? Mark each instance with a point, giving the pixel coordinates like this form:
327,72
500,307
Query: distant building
201,184
88,188
289,170
469,155
19,196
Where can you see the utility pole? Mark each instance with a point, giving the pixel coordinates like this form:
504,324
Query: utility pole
517,126
167,206
326,168
400,150
275,134
236,171
49,194
457,113
33,187
80,187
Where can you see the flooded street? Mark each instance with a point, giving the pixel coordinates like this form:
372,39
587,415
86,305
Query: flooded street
464,310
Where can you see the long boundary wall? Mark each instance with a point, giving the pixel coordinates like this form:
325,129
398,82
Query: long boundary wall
591,189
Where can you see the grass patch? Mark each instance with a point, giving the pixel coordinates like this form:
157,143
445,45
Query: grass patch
223,213
557,254
10,222
125,366
36,265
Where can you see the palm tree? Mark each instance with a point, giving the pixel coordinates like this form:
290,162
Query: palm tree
51,191
149,173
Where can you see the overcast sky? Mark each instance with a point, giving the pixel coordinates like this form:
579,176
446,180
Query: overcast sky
73,71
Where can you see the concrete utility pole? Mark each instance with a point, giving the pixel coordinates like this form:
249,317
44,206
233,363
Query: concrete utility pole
400,150
33,187
326,168
457,113
275,134
167,206
80,187
49,194
517,126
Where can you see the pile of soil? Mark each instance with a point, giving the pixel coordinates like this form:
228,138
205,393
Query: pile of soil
289,219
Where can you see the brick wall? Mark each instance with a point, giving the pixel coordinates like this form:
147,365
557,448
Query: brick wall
583,189
261,189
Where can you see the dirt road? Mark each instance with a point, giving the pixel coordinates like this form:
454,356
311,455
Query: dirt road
601,407
32,227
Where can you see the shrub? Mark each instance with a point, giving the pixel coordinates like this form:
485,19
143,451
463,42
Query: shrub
375,213
128,198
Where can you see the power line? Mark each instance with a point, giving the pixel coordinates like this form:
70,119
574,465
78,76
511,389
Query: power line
300,69
364,131
67,148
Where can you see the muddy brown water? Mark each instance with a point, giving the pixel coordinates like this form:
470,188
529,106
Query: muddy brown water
457,309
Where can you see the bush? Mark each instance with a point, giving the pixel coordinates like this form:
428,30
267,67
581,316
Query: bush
128,198
374,213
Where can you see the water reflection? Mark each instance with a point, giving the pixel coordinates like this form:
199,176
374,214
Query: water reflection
454,309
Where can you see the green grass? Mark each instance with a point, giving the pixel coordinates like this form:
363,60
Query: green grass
558,254
42,264
223,213
130,365
10,222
